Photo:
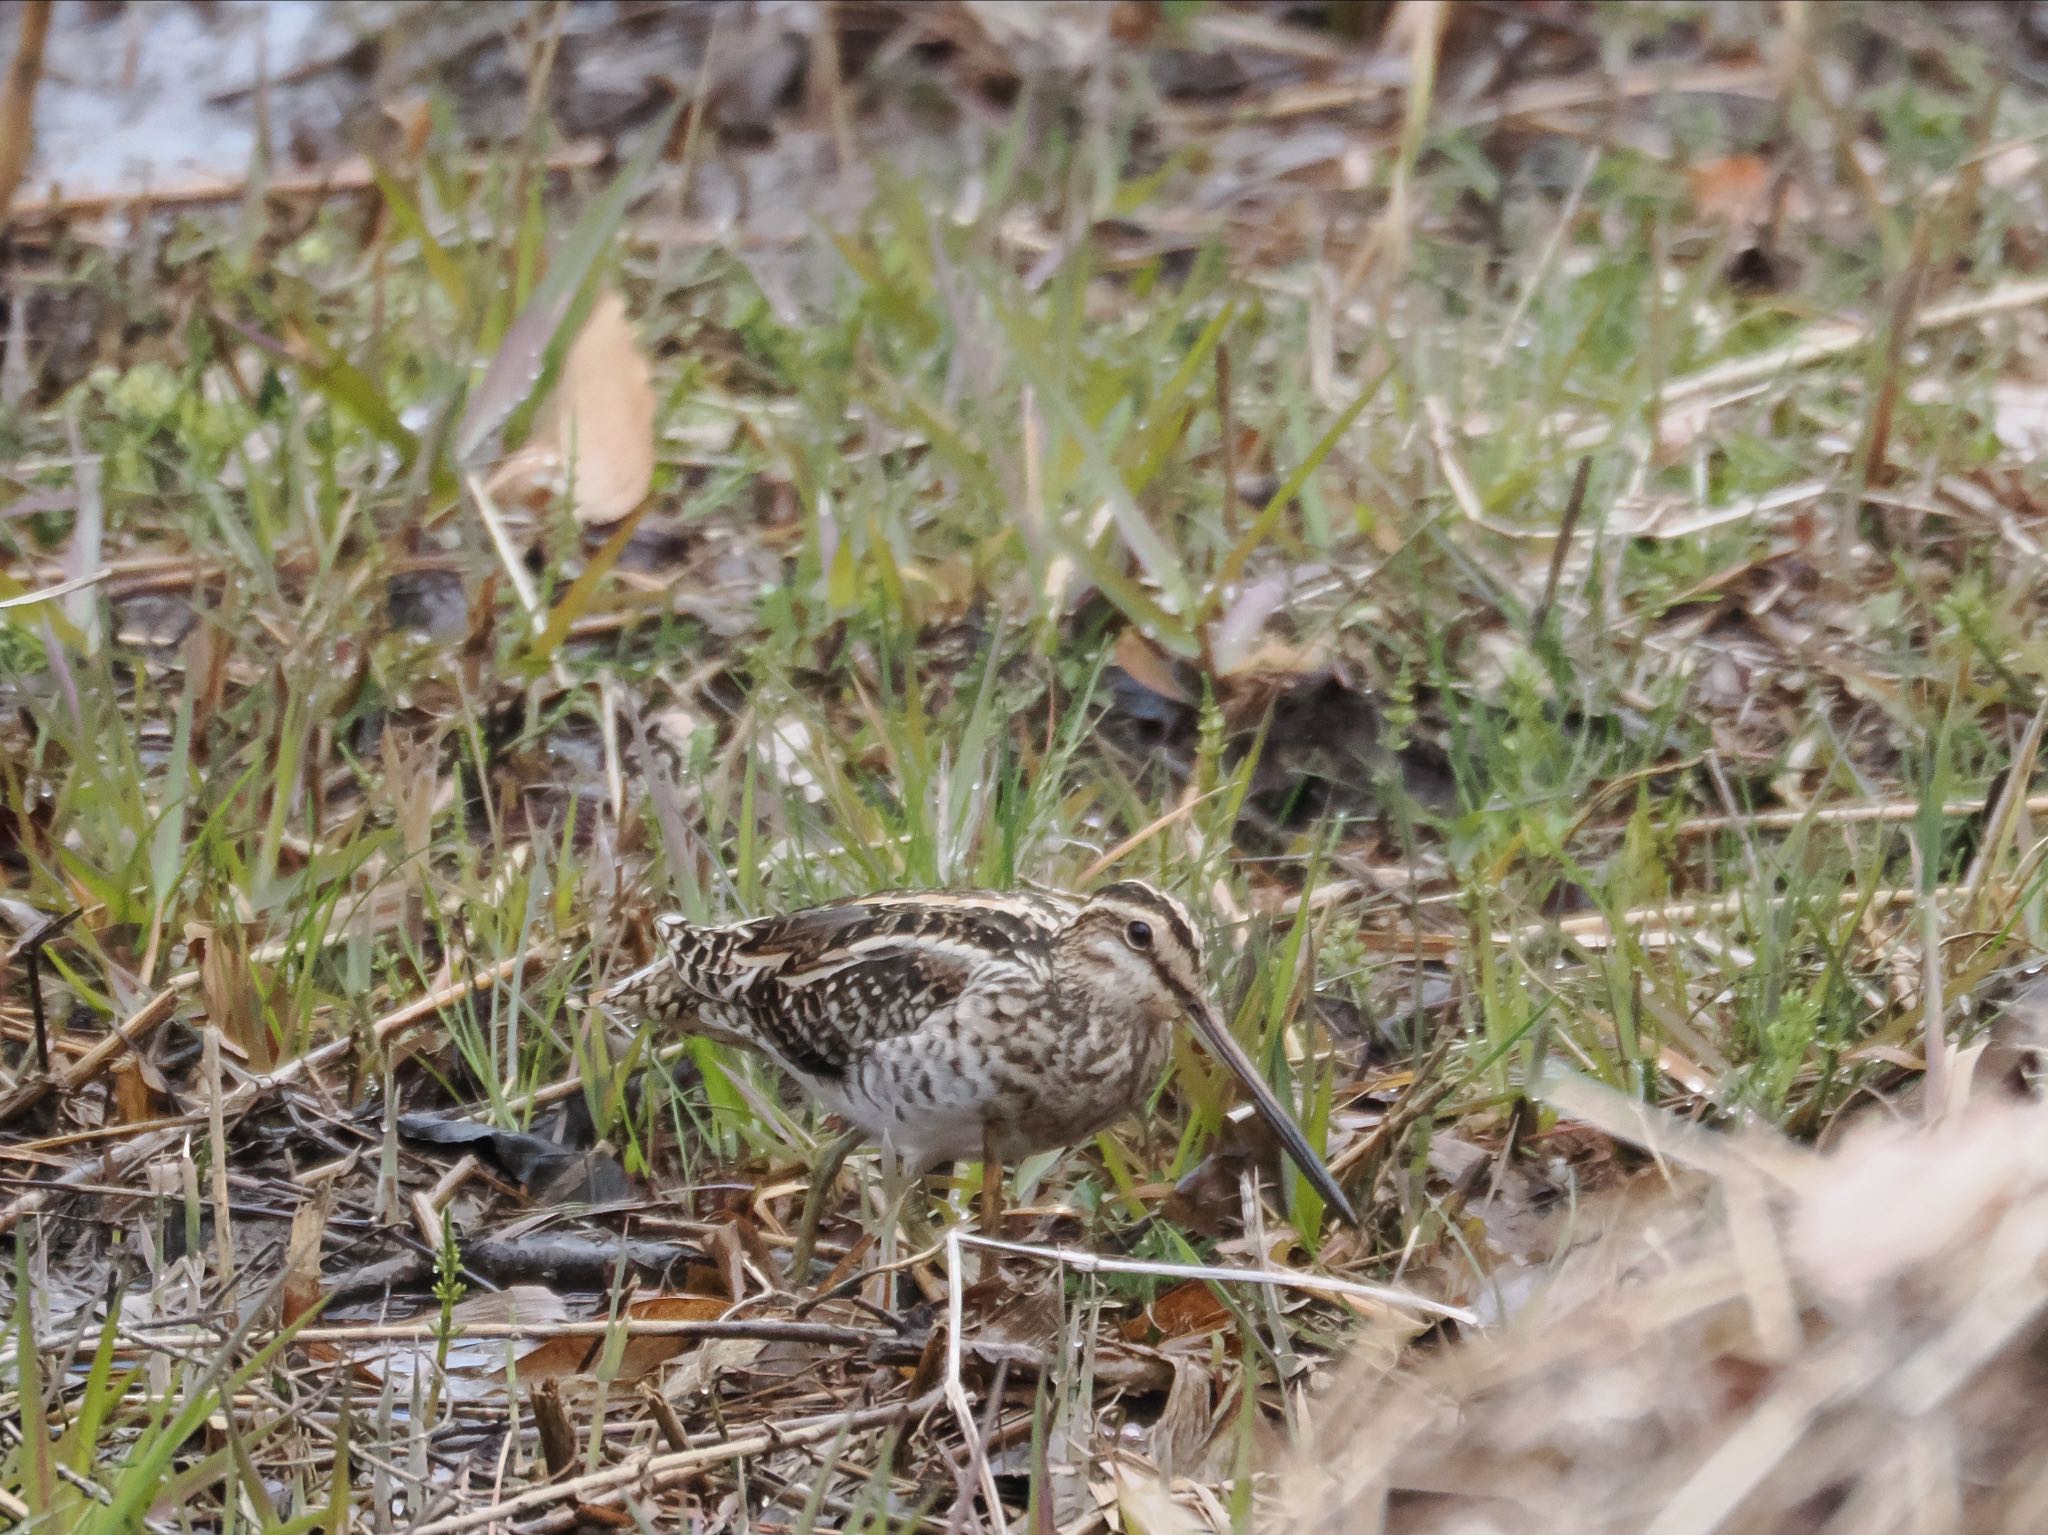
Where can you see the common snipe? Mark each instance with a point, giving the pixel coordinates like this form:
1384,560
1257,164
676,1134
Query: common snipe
960,1024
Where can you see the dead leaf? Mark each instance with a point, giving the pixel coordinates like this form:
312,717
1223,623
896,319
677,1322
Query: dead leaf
226,980
594,438
1143,1502
532,1304
1147,665
206,662
474,1365
2019,416
1734,187
640,1356
704,1367
413,116
1022,1322
132,1100
552,1173
1235,635
1192,1307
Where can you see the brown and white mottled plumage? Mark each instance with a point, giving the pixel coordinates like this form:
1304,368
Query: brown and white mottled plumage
950,1023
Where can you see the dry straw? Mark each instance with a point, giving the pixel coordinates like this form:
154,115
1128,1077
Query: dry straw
1831,1345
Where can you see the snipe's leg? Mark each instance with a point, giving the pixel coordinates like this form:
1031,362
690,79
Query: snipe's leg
823,1176
991,1201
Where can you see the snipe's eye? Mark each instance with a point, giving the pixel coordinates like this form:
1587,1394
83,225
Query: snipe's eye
1139,935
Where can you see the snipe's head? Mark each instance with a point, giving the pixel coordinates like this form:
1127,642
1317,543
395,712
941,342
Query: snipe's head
1138,945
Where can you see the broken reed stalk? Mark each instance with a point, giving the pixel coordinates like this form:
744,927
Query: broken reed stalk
551,1420
126,1035
217,1145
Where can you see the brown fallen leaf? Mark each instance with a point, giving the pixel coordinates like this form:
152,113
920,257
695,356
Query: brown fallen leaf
1734,187
1192,1307
640,1356
1148,666
594,437
133,1102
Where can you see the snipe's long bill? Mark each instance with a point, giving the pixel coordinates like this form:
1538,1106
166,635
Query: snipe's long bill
1210,1028
962,1024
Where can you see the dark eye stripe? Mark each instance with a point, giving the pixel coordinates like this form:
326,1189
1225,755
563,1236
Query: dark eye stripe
1136,896
1182,933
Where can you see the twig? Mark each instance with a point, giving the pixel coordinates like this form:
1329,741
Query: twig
654,1470
508,556
839,1286
1429,1086
18,98
955,1388
1595,930
30,1151
1574,508
1826,342
1146,833
1451,466
51,593
428,1329
1840,815
663,1411
30,951
979,1444
1669,1138
1227,423
515,572
1872,455
435,1002
352,174
1312,1284
217,1145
